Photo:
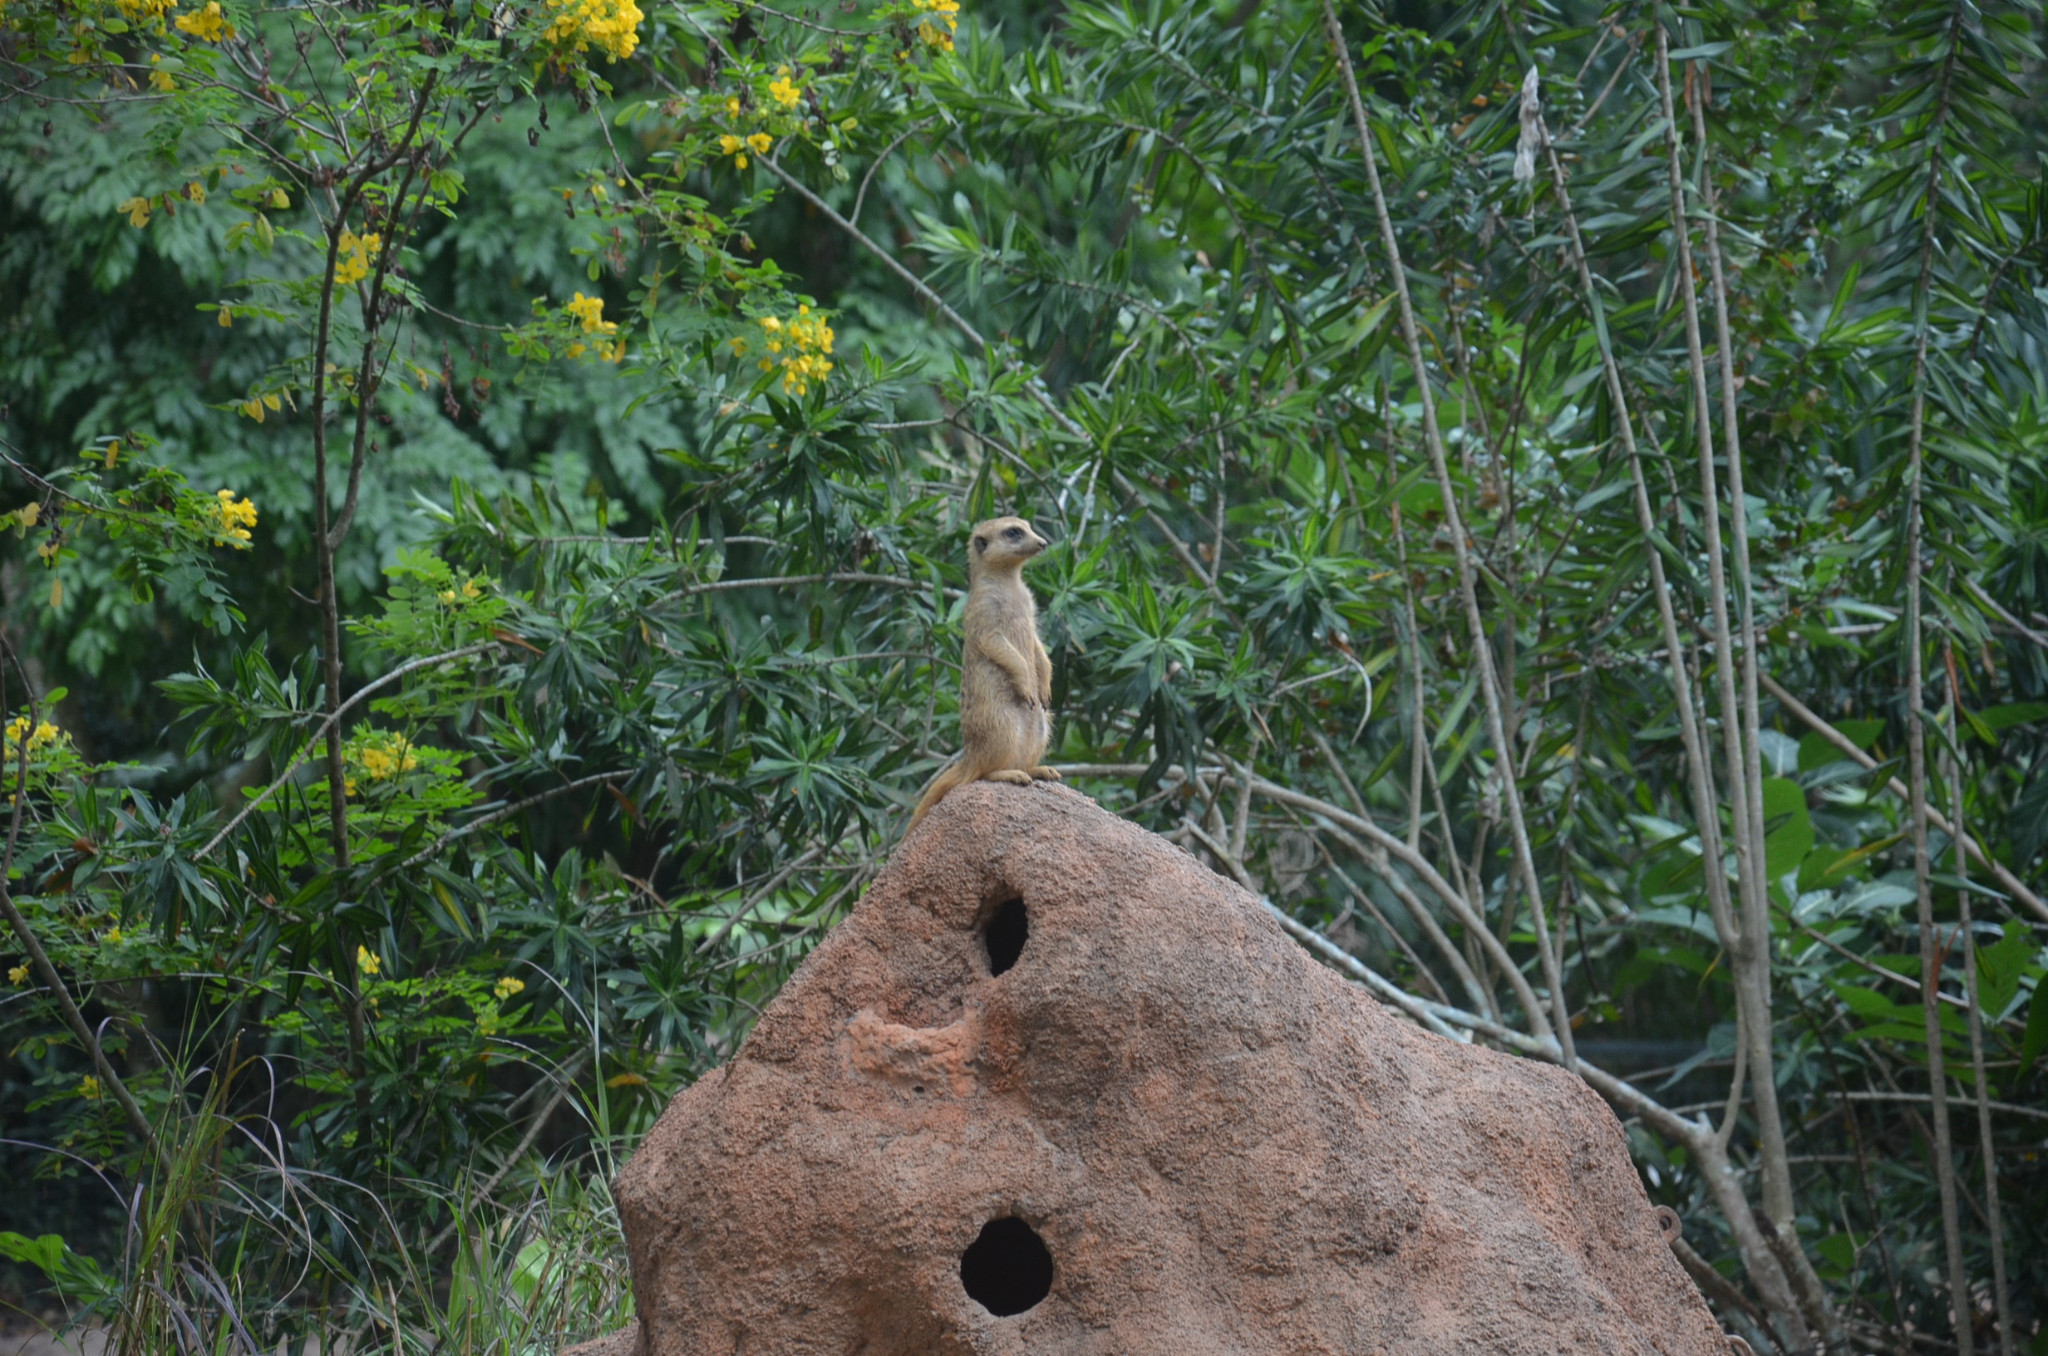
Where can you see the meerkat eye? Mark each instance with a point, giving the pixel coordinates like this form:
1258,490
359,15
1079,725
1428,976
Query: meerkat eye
1014,533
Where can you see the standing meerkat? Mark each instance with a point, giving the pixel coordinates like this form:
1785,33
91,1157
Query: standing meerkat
1005,674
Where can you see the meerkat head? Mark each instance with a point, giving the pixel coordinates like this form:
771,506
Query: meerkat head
1003,544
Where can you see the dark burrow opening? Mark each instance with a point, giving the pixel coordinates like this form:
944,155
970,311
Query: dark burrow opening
1007,1270
1005,935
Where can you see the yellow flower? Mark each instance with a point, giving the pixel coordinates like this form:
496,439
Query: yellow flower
161,82
89,1088
279,199
208,25
352,263
146,9
760,141
781,90
732,106
137,210
380,755
610,24
367,962
235,517
798,346
42,736
590,310
18,975
470,590
508,986
944,11
735,147
113,934
196,192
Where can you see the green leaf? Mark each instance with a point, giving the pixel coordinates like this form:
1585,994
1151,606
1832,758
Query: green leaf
1977,726
2036,1039
2011,714
1867,1003
1786,846
2000,968
2027,821
76,1277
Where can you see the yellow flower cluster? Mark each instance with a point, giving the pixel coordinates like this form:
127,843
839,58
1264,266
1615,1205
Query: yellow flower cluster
942,11
798,346
146,10
469,593
18,975
590,311
611,24
382,757
782,91
236,517
42,736
508,986
367,962
208,25
737,147
353,263
89,1088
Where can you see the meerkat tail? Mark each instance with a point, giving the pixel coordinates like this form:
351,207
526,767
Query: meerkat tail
953,775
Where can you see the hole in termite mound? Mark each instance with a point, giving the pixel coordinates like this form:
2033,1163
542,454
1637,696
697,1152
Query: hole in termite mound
1007,1270
1004,935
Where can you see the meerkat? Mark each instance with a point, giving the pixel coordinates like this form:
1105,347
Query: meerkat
1005,674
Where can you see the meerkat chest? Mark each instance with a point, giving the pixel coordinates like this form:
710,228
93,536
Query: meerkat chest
1004,609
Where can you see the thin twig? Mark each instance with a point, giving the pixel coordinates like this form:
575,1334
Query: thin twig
1987,1148
1739,748
1482,650
504,812
1915,695
2007,881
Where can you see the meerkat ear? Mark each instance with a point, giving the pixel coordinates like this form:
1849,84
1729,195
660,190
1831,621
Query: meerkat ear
981,543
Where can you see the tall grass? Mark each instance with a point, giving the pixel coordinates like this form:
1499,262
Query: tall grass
228,1249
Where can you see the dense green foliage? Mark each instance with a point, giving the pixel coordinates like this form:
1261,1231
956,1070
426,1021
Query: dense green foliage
487,486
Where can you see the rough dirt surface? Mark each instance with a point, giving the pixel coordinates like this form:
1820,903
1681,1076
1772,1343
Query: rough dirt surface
1223,1146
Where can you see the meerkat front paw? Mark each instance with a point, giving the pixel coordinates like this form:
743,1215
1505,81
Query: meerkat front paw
1013,776
1045,774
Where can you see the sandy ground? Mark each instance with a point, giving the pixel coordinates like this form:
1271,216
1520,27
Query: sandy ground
19,1338
23,1337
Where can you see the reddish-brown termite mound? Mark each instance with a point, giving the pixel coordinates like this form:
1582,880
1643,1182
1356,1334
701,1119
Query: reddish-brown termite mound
1055,1087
